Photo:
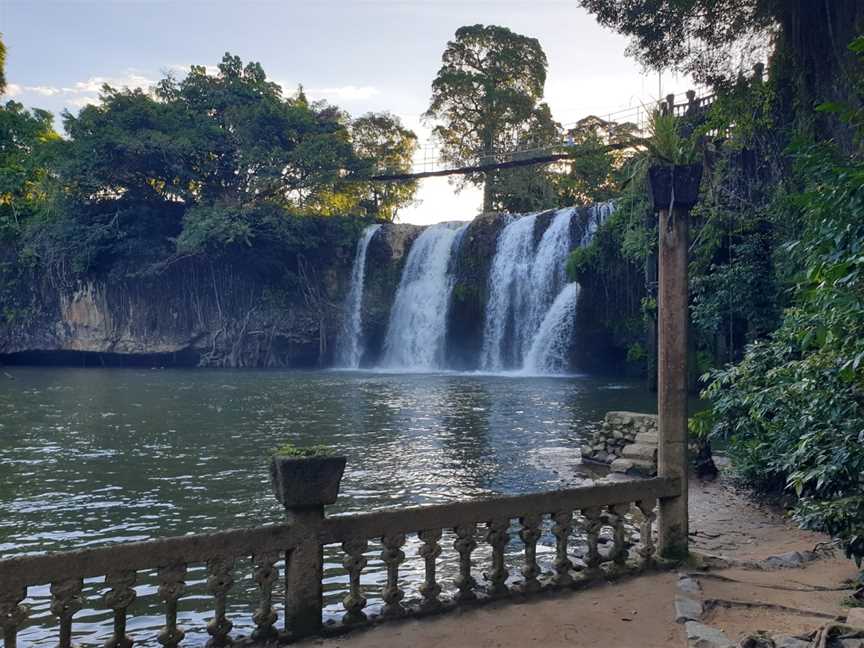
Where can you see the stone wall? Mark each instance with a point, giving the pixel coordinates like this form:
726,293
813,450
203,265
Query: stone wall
626,441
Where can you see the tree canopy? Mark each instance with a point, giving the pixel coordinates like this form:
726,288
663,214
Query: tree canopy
486,94
711,39
204,163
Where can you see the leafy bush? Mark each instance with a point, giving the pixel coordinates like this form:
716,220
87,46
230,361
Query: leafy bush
793,408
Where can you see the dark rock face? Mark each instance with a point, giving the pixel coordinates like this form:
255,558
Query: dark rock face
470,294
207,314
211,315
385,259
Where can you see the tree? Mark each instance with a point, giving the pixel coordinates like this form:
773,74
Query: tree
485,95
528,188
386,147
716,40
26,144
2,66
703,37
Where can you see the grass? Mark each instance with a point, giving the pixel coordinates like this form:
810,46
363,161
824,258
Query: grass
289,450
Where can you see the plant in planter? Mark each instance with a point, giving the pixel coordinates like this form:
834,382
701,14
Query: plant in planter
306,477
674,163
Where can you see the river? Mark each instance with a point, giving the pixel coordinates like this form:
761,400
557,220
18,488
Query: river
95,456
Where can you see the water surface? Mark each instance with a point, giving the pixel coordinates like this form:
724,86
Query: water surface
95,456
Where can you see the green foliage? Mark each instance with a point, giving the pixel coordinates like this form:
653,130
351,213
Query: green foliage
486,94
387,147
699,37
593,175
289,450
793,408
667,144
529,188
2,66
581,261
27,143
214,164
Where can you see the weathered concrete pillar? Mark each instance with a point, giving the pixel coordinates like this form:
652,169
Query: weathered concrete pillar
672,304
304,570
304,485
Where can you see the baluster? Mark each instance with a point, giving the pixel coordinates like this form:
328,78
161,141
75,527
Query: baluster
172,584
66,600
354,562
561,530
530,534
392,556
464,544
12,614
619,552
118,598
220,578
593,524
430,550
265,573
646,531
497,535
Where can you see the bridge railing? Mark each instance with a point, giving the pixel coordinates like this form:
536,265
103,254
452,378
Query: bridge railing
591,527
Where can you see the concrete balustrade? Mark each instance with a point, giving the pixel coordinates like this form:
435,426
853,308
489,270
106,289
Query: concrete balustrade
578,517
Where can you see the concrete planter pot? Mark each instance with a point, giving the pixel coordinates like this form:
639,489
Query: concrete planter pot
307,482
675,186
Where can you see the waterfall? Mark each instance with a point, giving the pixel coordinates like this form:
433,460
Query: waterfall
549,352
349,346
523,283
530,315
418,319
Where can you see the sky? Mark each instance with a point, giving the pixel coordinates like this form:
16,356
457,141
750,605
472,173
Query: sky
362,55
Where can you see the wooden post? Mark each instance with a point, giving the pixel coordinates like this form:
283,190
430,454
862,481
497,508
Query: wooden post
672,304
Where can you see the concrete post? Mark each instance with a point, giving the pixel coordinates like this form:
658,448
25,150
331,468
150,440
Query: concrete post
672,304
304,569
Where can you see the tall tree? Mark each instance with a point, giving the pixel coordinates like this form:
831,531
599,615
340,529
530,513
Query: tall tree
485,93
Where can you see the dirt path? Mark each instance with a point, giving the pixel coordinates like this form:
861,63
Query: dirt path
639,613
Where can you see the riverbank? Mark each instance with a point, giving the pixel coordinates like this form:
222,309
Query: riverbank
640,612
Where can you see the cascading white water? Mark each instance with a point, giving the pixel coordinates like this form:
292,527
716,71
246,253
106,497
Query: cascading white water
549,351
524,282
349,346
418,319
531,309
509,282
548,274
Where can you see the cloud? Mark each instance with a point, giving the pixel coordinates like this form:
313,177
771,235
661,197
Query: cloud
343,93
94,84
83,92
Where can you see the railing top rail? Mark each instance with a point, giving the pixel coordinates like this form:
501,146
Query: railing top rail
40,569
370,525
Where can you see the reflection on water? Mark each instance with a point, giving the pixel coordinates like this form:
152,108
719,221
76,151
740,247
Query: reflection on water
90,456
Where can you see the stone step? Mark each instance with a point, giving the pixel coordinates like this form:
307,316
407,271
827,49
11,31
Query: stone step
642,452
634,467
647,438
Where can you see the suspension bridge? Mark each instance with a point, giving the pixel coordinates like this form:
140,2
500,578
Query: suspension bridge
429,161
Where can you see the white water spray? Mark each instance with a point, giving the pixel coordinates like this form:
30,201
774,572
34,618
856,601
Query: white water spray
418,320
349,346
550,350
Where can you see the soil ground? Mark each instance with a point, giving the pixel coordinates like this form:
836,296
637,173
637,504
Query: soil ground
639,613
